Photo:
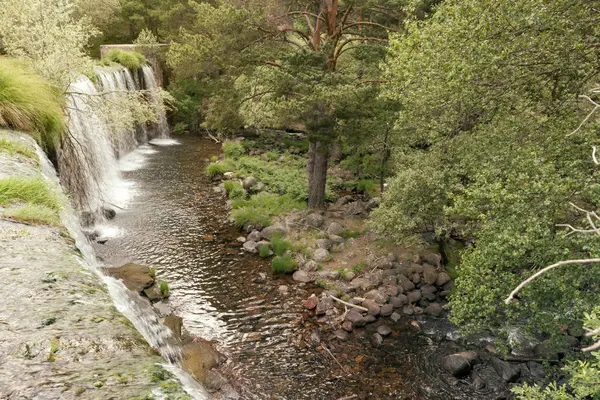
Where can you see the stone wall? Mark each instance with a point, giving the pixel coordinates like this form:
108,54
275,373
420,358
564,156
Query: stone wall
154,57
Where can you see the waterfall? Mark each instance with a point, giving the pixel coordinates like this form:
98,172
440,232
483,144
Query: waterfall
88,157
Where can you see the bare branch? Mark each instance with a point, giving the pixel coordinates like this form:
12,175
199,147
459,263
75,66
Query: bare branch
593,347
596,107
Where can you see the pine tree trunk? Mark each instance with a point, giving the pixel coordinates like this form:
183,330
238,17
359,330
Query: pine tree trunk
318,155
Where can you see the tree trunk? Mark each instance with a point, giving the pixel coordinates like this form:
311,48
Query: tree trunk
318,154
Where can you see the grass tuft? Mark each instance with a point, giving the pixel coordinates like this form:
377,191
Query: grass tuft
234,190
233,149
280,245
164,288
15,148
30,200
34,214
129,59
252,215
28,103
272,204
283,265
219,168
264,251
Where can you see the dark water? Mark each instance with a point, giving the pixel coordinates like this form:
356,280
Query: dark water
177,224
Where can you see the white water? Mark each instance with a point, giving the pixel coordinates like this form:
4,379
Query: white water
162,127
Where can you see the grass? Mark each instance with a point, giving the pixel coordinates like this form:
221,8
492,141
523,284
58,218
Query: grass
280,245
164,288
283,265
16,148
129,59
264,251
34,214
343,272
250,215
54,347
272,204
358,267
234,190
233,149
322,284
351,233
30,200
283,179
28,103
219,168
271,155
301,144
367,186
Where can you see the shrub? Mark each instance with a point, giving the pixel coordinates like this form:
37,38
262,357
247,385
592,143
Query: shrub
28,103
271,155
264,251
367,186
284,265
234,190
280,245
129,59
233,149
219,168
250,215
164,288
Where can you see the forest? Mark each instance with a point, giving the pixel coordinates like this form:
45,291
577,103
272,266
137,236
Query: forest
472,123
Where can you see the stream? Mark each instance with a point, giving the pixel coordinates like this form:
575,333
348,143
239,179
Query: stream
176,223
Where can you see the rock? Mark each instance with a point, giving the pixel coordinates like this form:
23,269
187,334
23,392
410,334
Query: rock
283,289
414,296
321,255
344,200
376,340
341,334
315,220
442,279
459,364
391,290
406,284
302,276
362,283
372,204
274,230
434,309
395,317
162,309
250,246
546,350
249,182
310,266
370,319
175,324
199,356
478,382
415,278
134,276
335,229
428,296
537,370
214,381
241,239
347,326
506,371
228,175
349,276
324,305
311,302
259,187
314,338
218,189
261,278
355,317
417,310
336,239
408,310
372,306
399,301
154,294
356,208
432,259
430,276
87,219
377,295
329,274
386,310
254,236
384,330
324,244
109,213
428,289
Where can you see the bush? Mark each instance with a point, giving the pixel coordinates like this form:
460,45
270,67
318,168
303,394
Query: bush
264,251
219,168
129,59
233,149
283,265
234,190
30,104
250,215
280,245
367,186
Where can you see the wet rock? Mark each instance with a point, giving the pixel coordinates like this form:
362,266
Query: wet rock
384,330
199,357
434,309
321,255
87,219
254,236
153,294
214,381
355,317
310,266
395,317
430,276
386,310
335,229
249,182
341,334
442,279
399,301
102,240
162,309
324,244
250,246
414,296
311,302
109,213
324,305
505,370
459,364
302,276
315,220
134,276
372,306
378,296
536,370
175,324
274,230
336,239
376,340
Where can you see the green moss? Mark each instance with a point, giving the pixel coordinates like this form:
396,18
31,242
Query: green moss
219,168
233,149
283,265
28,103
129,59
158,374
322,284
16,148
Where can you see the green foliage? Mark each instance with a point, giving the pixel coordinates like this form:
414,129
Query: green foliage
233,149
164,288
30,104
270,203
219,168
234,190
250,215
358,267
15,148
129,59
264,251
351,233
322,284
280,245
343,272
367,186
283,265
28,190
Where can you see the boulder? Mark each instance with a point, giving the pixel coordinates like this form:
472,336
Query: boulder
214,381
434,309
395,317
259,187
408,310
406,284
460,364
250,246
321,255
344,200
324,244
370,318
108,213
376,340
372,306
302,276
274,230
428,289
336,239
324,304
254,236
335,229
392,290
134,276
386,310
175,324
355,317
362,283
377,295
329,274
315,220
349,276
414,296
199,356
536,370
249,182
341,334
310,266
442,279
356,208
347,326
399,301
506,371
430,276
153,293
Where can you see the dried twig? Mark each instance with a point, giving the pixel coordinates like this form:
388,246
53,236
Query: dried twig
348,304
332,356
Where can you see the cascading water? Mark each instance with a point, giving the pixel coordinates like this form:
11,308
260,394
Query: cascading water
161,126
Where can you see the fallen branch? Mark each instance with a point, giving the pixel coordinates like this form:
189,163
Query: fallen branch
543,271
348,304
335,359
212,137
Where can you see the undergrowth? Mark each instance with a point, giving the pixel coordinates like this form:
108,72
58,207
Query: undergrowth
280,245
233,149
283,265
234,190
259,209
219,168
